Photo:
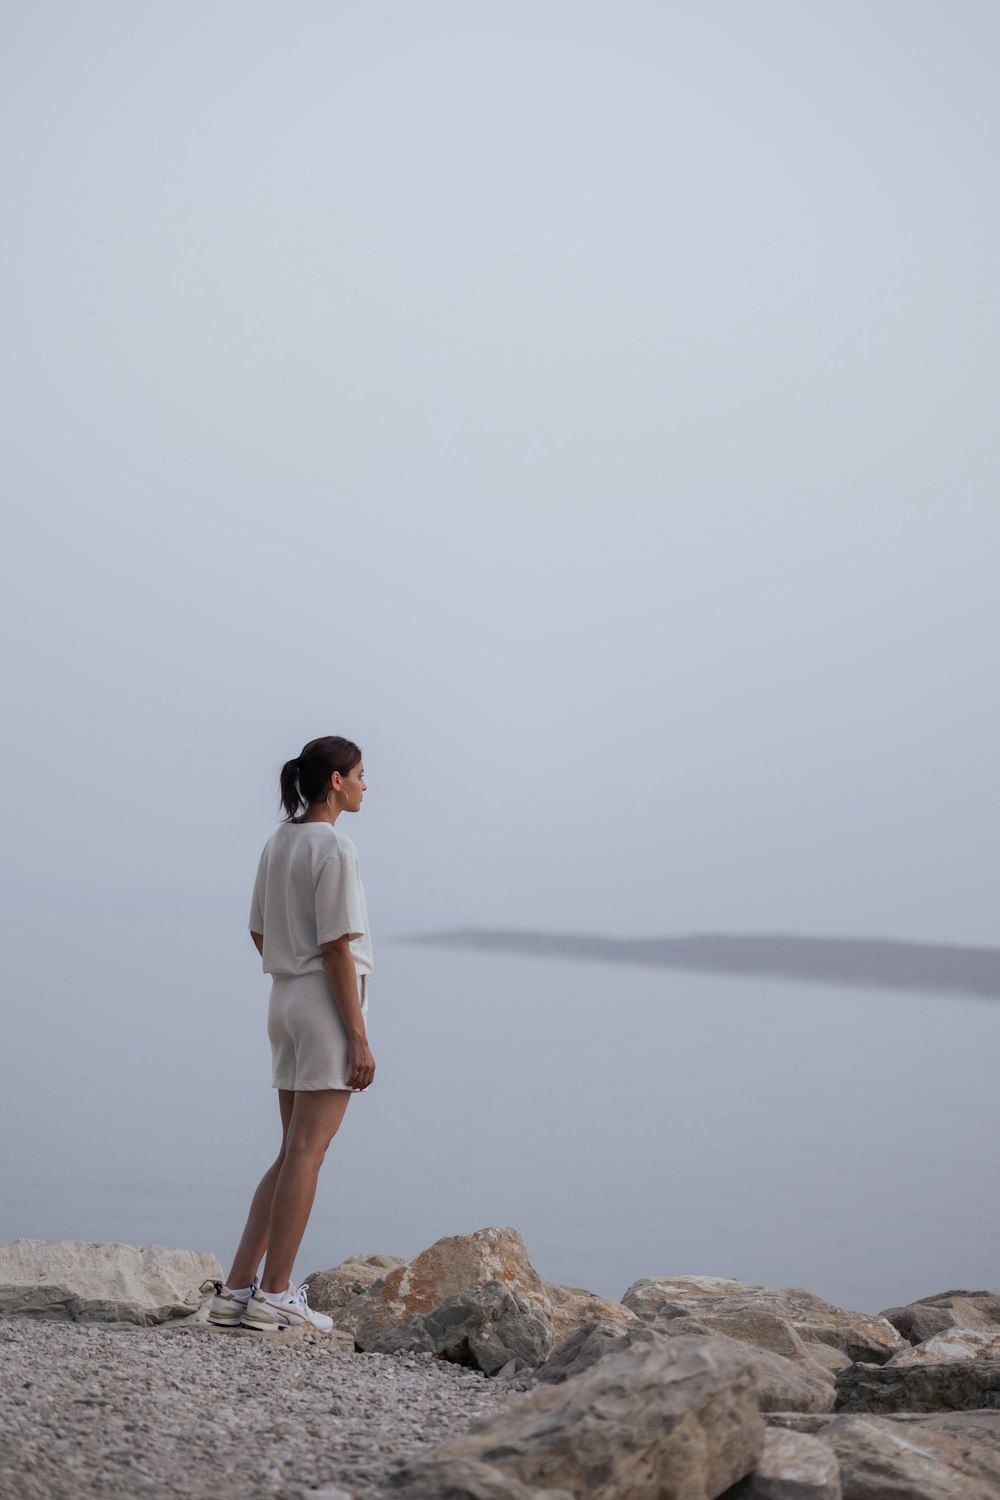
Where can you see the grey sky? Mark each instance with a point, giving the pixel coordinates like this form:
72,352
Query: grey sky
589,408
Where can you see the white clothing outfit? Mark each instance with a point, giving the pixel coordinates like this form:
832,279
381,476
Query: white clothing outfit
308,891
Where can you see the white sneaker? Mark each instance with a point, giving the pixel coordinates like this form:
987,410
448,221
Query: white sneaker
270,1311
228,1304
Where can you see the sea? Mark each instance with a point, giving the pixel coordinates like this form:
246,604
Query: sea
627,1121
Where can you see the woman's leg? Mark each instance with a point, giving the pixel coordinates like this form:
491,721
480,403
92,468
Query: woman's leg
315,1119
253,1243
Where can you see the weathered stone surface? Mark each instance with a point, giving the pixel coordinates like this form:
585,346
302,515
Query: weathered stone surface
921,1320
101,1282
755,1325
464,1479
828,1358
962,1385
956,1343
764,1331
484,1328
884,1460
331,1290
782,1384
964,1424
814,1423
590,1343
573,1306
793,1466
672,1420
961,1423
452,1265
859,1335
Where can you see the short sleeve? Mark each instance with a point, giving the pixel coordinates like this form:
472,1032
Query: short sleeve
339,902
257,899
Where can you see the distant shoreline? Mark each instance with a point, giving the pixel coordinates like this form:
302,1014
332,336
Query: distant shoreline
878,963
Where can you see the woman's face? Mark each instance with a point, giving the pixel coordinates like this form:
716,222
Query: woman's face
352,787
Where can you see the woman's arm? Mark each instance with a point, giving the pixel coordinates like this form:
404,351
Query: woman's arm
258,942
342,977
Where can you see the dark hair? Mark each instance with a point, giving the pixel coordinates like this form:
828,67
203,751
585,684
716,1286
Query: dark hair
307,778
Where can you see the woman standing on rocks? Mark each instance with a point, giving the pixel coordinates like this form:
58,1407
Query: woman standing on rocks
309,921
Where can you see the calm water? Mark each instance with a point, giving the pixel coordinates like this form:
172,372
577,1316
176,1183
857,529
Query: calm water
629,1122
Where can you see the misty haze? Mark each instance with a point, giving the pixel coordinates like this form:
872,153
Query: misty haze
591,411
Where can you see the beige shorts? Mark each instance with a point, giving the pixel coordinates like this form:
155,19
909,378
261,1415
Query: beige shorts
308,1040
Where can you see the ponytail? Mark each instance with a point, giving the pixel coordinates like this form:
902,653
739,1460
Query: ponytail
291,798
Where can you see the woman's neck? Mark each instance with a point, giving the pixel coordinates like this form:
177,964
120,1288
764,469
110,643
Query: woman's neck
321,812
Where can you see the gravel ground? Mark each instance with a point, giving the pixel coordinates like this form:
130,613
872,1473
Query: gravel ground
195,1411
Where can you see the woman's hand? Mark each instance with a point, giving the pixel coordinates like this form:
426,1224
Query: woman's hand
360,1064
342,978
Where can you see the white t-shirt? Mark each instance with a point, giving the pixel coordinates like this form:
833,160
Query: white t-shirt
308,891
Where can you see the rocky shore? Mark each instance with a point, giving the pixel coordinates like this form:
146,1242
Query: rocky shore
462,1375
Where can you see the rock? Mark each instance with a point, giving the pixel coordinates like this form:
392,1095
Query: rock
102,1282
921,1320
764,1331
955,1343
463,1479
755,1325
572,1306
590,1343
828,1358
450,1266
331,1290
793,1466
782,1384
858,1335
885,1460
675,1419
484,1328
962,1423
962,1385
814,1423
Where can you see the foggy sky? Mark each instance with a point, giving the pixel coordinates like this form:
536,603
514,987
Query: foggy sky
589,408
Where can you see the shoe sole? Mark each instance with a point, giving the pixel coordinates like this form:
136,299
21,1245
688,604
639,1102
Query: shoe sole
275,1325
221,1322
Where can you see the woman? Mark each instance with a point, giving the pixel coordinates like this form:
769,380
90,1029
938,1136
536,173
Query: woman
309,921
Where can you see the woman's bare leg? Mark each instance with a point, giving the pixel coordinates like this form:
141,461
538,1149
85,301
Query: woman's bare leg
315,1118
253,1243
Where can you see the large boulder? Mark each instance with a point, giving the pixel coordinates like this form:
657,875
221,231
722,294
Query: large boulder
962,1385
928,1316
955,1343
793,1466
766,1333
486,1328
573,1306
670,1420
95,1282
858,1335
589,1343
331,1290
449,1267
782,1384
885,1460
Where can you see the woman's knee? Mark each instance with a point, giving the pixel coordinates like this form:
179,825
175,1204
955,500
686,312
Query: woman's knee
306,1145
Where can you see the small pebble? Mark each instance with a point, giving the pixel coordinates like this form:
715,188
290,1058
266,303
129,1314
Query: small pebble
126,1414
